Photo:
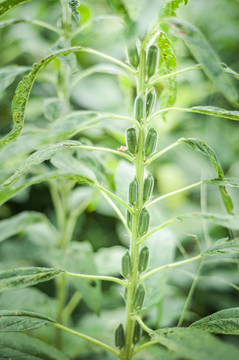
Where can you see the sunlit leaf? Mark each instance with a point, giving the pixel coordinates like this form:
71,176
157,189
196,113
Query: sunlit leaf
23,277
23,347
171,6
194,344
204,54
222,322
74,4
22,320
9,4
168,60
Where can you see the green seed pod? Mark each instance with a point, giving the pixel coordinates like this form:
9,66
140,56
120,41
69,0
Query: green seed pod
133,191
132,140
118,7
133,56
143,259
129,219
150,101
152,60
148,187
137,332
139,108
150,142
119,337
126,264
138,298
143,222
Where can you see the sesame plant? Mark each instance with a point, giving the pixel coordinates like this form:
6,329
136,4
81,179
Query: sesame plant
61,151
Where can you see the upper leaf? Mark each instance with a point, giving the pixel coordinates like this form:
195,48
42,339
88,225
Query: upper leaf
22,320
23,277
171,6
23,347
204,54
221,322
194,344
9,4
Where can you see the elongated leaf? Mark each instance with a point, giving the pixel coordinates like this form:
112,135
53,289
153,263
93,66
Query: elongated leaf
168,96
73,4
229,221
18,223
195,344
23,90
204,54
231,72
23,347
223,247
9,73
221,322
215,111
9,4
199,145
23,277
22,320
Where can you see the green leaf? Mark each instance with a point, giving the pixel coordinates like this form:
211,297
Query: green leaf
215,111
74,4
194,344
223,247
16,224
22,320
169,65
9,73
201,146
171,6
204,54
9,4
53,107
23,277
23,347
229,221
230,71
222,322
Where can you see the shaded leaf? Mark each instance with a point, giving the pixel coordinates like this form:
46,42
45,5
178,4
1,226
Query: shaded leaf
222,322
28,276
16,224
229,221
73,4
9,73
22,320
169,65
223,247
204,54
9,4
194,344
23,347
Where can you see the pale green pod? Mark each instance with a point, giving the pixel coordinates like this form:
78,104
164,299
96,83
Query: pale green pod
148,187
129,219
133,56
143,259
150,142
131,138
120,337
137,332
139,108
152,60
139,296
143,222
150,101
126,264
133,191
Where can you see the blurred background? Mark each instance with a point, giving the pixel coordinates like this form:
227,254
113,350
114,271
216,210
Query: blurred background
98,227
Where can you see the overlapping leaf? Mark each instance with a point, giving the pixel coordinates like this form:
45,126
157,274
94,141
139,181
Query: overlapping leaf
23,277
223,247
9,73
194,344
204,54
23,347
222,322
22,320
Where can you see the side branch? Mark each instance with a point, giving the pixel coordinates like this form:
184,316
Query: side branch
97,277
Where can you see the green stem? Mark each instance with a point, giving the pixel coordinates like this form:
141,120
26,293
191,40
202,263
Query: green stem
159,153
168,266
86,337
134,244
97,277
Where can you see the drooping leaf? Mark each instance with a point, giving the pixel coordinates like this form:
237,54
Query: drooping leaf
215,111
9,73
9,4
22,320
199,145
194,344
28,276
16,224
73,4
204,54
223,247
23,347
169,64
23,90
222,322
